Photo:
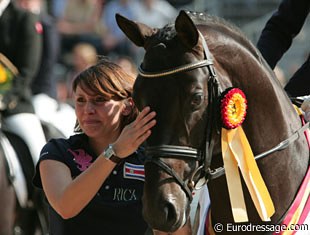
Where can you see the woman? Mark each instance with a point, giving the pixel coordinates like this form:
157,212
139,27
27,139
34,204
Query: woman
93,181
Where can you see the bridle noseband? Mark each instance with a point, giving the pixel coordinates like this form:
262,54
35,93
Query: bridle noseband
154,154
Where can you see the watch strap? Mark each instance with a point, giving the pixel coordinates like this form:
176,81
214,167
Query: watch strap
116,159
109,154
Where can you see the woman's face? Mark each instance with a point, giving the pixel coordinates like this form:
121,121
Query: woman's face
97,117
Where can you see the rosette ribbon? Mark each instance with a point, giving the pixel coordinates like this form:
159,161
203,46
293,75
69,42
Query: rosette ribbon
237,153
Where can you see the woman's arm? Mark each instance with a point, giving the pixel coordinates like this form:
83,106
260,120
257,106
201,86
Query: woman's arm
69,196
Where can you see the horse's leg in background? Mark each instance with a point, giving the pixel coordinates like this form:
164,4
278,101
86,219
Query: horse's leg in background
7,198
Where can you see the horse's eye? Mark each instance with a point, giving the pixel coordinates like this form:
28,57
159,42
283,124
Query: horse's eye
197,100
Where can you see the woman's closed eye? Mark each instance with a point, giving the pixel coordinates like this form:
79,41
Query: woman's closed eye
80,100
95,101
99,100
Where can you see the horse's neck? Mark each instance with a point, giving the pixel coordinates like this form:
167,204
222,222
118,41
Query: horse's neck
270,119
246,70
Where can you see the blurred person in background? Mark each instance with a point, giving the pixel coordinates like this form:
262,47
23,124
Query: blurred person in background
21,43
155,13
83,55
127,64
44,81
81,22
56,7
114,41
277,37
51,113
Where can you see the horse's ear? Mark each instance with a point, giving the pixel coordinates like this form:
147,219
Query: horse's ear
136,32
186,29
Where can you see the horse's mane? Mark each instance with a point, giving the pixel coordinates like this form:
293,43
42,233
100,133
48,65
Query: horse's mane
225,27
206,20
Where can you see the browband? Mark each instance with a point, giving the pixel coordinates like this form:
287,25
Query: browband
206,62
179,69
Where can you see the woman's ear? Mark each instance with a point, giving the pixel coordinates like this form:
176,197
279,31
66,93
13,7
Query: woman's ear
128,107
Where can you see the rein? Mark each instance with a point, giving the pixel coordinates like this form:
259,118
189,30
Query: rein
166,151
213,174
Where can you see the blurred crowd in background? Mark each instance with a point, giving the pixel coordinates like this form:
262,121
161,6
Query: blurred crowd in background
75,32
80,30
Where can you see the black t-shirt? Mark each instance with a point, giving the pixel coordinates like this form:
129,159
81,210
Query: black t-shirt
117,207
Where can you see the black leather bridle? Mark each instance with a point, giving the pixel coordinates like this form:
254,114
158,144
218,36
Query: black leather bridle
155,153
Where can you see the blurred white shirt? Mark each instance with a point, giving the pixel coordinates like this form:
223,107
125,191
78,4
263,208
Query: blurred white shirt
160,13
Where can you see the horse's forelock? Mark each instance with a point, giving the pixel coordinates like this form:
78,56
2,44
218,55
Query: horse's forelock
162,35
167,32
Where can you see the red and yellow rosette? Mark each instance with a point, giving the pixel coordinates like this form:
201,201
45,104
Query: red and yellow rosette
237,152
233,108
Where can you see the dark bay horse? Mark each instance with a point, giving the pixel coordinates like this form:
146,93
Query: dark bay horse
186,68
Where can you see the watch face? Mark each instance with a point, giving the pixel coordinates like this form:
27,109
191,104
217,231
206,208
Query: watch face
110,155
109,152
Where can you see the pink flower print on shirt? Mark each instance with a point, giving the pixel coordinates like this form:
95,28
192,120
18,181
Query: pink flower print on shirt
81,158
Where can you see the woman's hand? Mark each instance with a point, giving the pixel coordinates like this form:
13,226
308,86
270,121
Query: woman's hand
135,133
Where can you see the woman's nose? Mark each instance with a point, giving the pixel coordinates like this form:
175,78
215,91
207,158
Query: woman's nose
89,107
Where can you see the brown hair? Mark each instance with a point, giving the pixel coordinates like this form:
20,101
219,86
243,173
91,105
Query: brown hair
109,80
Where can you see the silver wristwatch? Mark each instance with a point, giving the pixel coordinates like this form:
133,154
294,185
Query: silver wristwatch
109,154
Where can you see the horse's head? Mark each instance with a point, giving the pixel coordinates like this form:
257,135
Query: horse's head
173,81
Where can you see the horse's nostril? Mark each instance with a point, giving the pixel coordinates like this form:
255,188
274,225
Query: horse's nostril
170,212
